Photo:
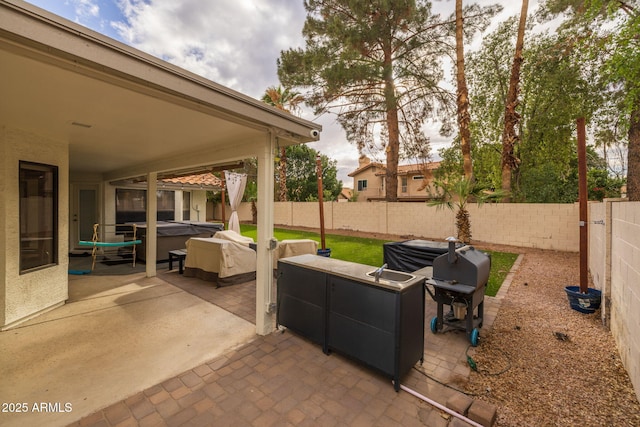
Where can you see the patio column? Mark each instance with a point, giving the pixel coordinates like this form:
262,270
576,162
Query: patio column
152,226
264,269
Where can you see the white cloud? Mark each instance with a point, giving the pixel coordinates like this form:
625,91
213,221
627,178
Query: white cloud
237,43
232,43
86,8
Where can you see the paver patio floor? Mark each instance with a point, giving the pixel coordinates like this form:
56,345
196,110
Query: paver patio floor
171,350
283,379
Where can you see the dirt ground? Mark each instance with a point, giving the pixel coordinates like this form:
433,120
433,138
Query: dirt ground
543,363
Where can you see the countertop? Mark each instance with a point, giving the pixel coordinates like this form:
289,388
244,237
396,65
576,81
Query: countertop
351,270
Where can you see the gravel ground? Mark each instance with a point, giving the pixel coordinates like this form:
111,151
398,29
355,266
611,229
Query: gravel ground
544,364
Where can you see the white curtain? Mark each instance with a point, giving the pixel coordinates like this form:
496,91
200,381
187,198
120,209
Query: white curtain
236,182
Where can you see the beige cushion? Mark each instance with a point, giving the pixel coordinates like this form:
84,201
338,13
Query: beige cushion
232,236
289,248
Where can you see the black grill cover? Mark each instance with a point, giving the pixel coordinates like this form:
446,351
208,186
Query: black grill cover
412,255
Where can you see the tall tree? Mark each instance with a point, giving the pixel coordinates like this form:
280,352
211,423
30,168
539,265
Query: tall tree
610,28
302,179
483,16
511,117
464,118
377,64
556,85
289,101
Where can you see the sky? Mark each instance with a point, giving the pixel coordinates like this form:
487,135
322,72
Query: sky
235,43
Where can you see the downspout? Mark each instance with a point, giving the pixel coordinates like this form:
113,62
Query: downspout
265,242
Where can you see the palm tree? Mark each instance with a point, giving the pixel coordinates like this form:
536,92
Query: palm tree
511,116
464,118
283,99
455,193
289,101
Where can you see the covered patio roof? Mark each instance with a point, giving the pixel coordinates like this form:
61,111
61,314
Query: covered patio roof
126,115
123,113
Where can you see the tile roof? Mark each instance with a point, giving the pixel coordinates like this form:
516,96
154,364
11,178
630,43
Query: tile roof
204,180
402,169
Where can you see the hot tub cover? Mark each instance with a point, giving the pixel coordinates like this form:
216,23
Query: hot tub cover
174,228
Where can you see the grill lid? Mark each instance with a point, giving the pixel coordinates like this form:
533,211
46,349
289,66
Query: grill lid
464,265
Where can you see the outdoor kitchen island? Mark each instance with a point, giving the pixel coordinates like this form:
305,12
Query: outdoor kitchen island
344,308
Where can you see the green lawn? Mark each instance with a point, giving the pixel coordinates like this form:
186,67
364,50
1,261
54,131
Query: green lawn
501,263
369,251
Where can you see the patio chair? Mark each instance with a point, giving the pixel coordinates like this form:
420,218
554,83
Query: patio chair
221,261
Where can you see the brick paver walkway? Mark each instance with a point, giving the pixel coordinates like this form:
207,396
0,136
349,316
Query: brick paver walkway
284,380
277,380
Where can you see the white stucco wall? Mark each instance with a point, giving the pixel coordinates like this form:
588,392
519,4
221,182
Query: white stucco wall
199,200
25,295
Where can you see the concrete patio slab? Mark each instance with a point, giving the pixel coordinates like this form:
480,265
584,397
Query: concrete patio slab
116,336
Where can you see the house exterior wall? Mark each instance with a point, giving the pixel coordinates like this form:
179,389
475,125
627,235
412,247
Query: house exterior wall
412,186
199,201
23,296
374,184
375,188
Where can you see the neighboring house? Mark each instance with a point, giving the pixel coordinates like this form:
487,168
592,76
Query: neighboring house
413,181
85,118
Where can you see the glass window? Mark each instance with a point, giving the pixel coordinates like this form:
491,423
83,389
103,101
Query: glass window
131,205
186,206
38,216
404,184
362,185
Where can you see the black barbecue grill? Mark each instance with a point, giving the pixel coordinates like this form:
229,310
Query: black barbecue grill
459,280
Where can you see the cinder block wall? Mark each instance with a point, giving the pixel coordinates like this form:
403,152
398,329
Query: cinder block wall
598,243
351,216
418,219
625,286
545,226
600,254
532,225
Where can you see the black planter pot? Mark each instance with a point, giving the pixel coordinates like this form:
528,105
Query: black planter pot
325,252
584,303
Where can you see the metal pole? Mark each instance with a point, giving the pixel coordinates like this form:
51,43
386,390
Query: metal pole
222,197
582,197
319,172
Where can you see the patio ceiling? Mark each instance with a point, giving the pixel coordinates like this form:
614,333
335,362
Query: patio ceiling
123,113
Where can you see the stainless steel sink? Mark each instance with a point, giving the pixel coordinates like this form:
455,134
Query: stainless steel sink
393,276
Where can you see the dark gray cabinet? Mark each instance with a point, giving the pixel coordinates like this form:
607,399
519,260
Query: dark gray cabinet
301,304
381,326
